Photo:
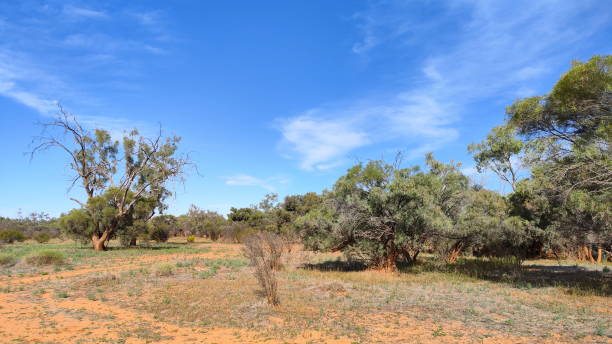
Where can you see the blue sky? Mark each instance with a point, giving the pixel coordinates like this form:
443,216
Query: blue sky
276,96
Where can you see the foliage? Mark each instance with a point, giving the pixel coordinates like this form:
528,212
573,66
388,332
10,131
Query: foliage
41,237
7,259
380,212
31,224
564,138
236,232
9,236
201,222
116,197
158,234
191,239
499,153
45,257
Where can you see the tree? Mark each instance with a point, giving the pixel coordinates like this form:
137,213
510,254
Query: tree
250,216
204,222
499,153
160,227
570,129
569,132
382,212
113,191
100,213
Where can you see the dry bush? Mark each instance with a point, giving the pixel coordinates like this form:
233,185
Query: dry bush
265,251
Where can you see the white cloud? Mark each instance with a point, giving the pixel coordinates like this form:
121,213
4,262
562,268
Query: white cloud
80,12
318,141
496,50
150,18
247,180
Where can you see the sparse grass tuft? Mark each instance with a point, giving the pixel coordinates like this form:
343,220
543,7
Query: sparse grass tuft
164,269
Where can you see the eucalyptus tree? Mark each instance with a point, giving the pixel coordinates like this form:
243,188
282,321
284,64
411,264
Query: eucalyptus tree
383,212
566,139
500,153
204,222
116,177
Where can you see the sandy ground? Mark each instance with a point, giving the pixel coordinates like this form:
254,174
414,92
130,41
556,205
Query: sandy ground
27,317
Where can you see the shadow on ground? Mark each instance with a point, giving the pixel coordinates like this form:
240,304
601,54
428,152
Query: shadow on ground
578,279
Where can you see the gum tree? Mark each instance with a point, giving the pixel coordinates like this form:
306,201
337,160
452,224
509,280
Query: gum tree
116,177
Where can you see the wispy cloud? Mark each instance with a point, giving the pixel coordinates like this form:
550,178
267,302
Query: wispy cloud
495,49
318,141
269,184
80,12
95,54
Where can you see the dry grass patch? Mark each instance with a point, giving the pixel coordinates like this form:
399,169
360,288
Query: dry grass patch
46,257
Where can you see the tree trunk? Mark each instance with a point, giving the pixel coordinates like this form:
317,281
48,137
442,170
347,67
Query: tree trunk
388,262
599,255
586,254
133,241
414,256
454,252
590,253
99,242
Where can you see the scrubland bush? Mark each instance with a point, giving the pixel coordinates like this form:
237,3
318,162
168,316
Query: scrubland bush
265,250
237,232
9,236
46,257
164,269
160,234
7,259
191,238
41,237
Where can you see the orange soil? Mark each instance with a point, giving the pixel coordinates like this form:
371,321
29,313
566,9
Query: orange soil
47,318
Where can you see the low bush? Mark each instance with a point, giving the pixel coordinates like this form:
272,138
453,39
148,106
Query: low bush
42,237
191,238
160,234
46,257
7,259
164,269
265,251
9,236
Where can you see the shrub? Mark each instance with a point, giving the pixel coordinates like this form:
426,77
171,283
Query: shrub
7,259
9,236
265,251
42,237
164,269
46,257
236,233
160,234
191,238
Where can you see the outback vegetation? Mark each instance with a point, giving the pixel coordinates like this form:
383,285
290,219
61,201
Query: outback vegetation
388,247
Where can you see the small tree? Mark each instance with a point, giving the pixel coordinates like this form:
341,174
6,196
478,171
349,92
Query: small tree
204,223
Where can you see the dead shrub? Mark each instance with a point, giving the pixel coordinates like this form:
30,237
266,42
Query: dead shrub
265,251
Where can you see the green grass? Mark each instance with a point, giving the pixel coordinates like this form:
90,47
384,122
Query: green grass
77,253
